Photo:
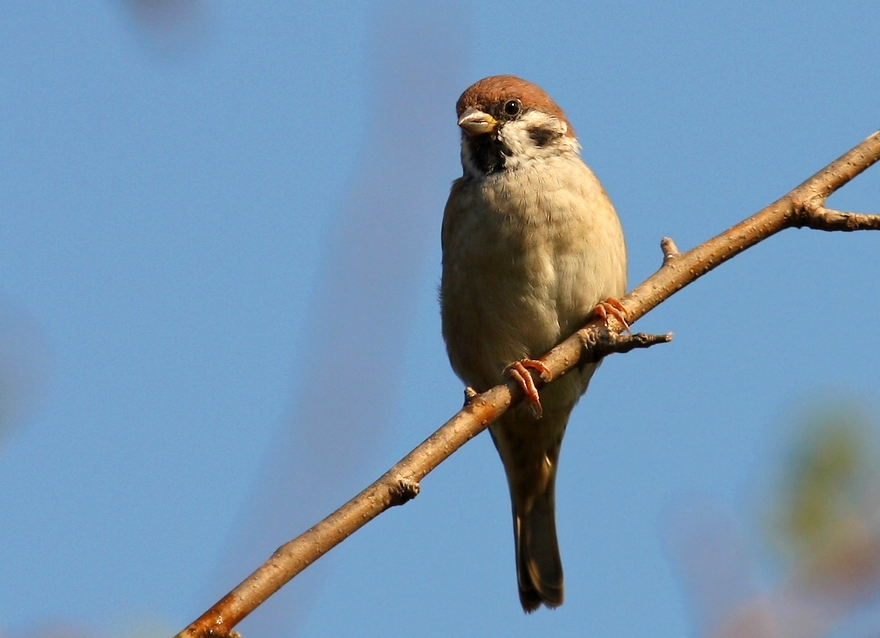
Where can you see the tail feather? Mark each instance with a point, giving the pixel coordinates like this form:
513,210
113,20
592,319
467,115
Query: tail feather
529,449
538,565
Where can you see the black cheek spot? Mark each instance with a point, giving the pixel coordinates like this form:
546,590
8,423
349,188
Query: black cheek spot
542,136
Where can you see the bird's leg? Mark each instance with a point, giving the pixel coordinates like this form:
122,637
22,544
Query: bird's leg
518,371
613,307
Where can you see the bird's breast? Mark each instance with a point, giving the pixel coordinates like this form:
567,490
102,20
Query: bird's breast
527,256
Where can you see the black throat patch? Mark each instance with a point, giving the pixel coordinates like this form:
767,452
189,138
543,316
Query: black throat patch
488,153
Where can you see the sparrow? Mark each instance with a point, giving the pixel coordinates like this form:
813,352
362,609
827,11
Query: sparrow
532,248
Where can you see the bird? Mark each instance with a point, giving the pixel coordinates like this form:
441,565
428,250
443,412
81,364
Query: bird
532,248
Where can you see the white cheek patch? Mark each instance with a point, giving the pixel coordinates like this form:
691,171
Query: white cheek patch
517,136
467,160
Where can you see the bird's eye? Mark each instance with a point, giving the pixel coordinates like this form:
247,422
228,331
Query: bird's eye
512,107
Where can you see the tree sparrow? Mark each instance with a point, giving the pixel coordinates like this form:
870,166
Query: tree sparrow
531,247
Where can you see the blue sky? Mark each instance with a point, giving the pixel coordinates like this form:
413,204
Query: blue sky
218,268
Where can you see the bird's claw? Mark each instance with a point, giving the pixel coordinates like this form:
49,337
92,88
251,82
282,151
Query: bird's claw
519,372
614,308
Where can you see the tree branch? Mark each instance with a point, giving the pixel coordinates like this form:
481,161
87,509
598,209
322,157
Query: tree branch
821,218
803,207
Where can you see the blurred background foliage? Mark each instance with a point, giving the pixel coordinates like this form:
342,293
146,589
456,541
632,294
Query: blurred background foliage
812,568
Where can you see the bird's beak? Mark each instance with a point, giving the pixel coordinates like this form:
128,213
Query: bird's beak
476,122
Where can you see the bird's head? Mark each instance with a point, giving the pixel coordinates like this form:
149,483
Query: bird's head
508,123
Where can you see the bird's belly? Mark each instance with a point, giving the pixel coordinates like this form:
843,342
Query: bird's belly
516,305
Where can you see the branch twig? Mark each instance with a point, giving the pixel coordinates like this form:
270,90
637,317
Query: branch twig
803,207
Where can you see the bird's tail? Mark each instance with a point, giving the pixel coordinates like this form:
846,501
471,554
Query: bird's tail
538,565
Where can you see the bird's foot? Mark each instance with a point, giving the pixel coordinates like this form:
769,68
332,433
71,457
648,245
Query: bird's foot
519,372
612,307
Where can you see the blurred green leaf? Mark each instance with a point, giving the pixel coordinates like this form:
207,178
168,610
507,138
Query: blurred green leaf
824,510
